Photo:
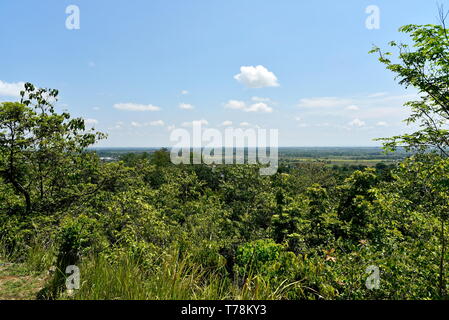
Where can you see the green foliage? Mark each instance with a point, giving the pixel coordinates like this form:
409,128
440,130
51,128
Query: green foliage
264,258
423,65
43,153
142,228
355,201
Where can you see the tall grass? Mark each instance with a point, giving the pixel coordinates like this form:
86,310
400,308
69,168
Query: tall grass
172,278
102,281
40,258
175,278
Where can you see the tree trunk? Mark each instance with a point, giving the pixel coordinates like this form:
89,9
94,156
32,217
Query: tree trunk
25,193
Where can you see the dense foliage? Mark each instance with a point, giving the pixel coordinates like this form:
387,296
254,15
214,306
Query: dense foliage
142,228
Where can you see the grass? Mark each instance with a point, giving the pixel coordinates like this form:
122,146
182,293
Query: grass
175,279
22,279
17,282
171,278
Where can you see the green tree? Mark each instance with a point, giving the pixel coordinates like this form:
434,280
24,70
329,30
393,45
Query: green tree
423,65
43,153
355,198
413,213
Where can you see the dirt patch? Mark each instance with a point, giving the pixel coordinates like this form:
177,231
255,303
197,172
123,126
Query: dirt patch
16,283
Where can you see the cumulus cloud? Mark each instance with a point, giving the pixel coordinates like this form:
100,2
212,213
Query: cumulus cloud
186,106
135,107
357,123
184,92
256,77
11,89
382,124
235,104
259,107
255,107
245,124
227,123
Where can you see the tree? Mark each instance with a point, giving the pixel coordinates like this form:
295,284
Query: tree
161,158
424,66
414,212
354,200
43,153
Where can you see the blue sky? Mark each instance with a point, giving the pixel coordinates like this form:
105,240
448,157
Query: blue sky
137,69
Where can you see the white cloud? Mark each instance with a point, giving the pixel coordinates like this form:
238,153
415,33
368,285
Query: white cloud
171,127
186,106
151,123
227,123
357,123
382,124
96,108
235,104
184,92
255,107
203,122
260,99
259,107
298,118
11,89
352,107
135,107
382,106
256,77
157,123
245,124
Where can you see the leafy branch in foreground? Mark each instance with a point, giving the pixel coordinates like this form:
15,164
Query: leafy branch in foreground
423,65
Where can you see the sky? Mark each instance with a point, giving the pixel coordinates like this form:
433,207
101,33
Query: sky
138,69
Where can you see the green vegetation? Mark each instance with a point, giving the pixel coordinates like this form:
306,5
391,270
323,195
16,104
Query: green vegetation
139,227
